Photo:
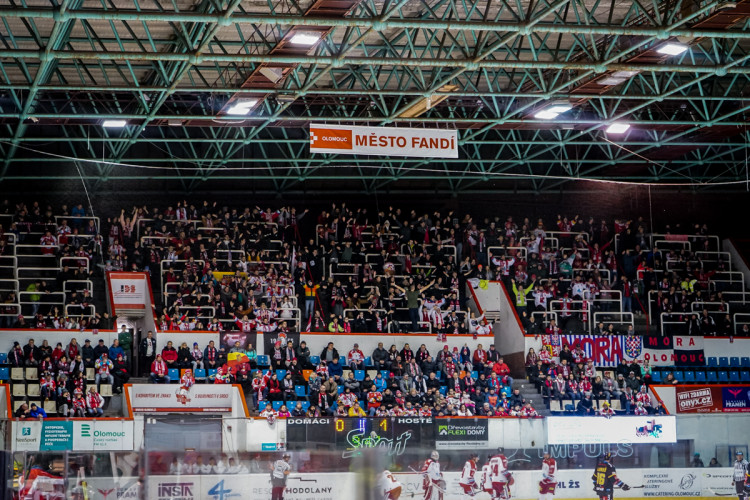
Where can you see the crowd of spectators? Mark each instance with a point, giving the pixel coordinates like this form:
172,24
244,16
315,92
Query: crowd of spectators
458,382
573,380
351,269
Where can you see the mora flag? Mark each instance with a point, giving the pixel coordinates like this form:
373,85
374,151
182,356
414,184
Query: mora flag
237,358
383,141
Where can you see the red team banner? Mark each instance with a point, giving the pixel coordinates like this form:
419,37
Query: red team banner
610,350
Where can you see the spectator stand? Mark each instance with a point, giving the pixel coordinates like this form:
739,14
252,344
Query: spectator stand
24,381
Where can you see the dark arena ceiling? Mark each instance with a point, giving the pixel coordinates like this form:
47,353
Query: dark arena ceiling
171,69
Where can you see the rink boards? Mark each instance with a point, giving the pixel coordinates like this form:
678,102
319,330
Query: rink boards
572,484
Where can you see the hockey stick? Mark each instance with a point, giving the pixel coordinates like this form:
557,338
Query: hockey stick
722,494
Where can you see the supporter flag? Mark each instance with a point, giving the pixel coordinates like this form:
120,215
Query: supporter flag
237,358
658,351
688,351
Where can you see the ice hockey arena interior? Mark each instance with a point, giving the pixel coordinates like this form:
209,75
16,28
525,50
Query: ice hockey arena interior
374,249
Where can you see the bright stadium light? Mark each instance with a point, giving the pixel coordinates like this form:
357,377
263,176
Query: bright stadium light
114,123
559,107
618,128
305,38
546,115
672,49
242,107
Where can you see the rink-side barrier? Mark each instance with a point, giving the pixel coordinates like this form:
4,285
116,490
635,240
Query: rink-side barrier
577,484
572,484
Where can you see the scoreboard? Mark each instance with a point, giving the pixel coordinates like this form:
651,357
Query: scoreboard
351,435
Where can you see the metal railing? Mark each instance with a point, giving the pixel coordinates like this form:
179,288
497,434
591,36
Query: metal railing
88,285
78,262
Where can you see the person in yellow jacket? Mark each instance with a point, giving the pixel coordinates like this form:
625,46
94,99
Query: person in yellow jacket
356,411
520,292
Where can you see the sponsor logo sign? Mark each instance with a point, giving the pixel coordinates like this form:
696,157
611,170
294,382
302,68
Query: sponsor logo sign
460,433
586,430
383,141
698,400
128,290
736,399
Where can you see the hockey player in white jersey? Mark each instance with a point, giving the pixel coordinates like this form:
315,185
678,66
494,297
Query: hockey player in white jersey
432,480
390,488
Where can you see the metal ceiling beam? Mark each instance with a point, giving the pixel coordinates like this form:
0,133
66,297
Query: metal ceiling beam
60,32
374,23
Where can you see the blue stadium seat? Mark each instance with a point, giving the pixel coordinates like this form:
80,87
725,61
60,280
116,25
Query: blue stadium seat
300,391
262,405
745,362
679,375
711,377
280,374
723,378
713,362
385,373
745,376
656,376
341,389
700,376
3,358
277,405
5,373
211,372
734,376
200,374
174,374
315,360
734,362
368,361
264,360
305,405
724,362
689,376
443,390
359,375
475,374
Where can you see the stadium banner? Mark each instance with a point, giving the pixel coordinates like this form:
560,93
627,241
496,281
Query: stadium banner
459,434
270,339
127,290
216,398
77,435
735,399
631,429
611,350
383,141
304,486
27,434
711,398
692,399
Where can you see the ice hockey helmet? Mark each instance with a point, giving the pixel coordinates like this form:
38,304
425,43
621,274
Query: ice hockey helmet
607,456
435,455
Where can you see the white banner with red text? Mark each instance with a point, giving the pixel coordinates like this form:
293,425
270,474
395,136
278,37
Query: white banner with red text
128,291
212,398
383,141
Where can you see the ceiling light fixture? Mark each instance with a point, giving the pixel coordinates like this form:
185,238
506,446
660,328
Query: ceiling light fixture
672,48
546,114
624,74
305,38
114,123
610,81
618,128
559,107
242,107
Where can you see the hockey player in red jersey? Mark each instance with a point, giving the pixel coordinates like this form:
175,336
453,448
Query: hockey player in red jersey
468,481
500,476
548,483
432,480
